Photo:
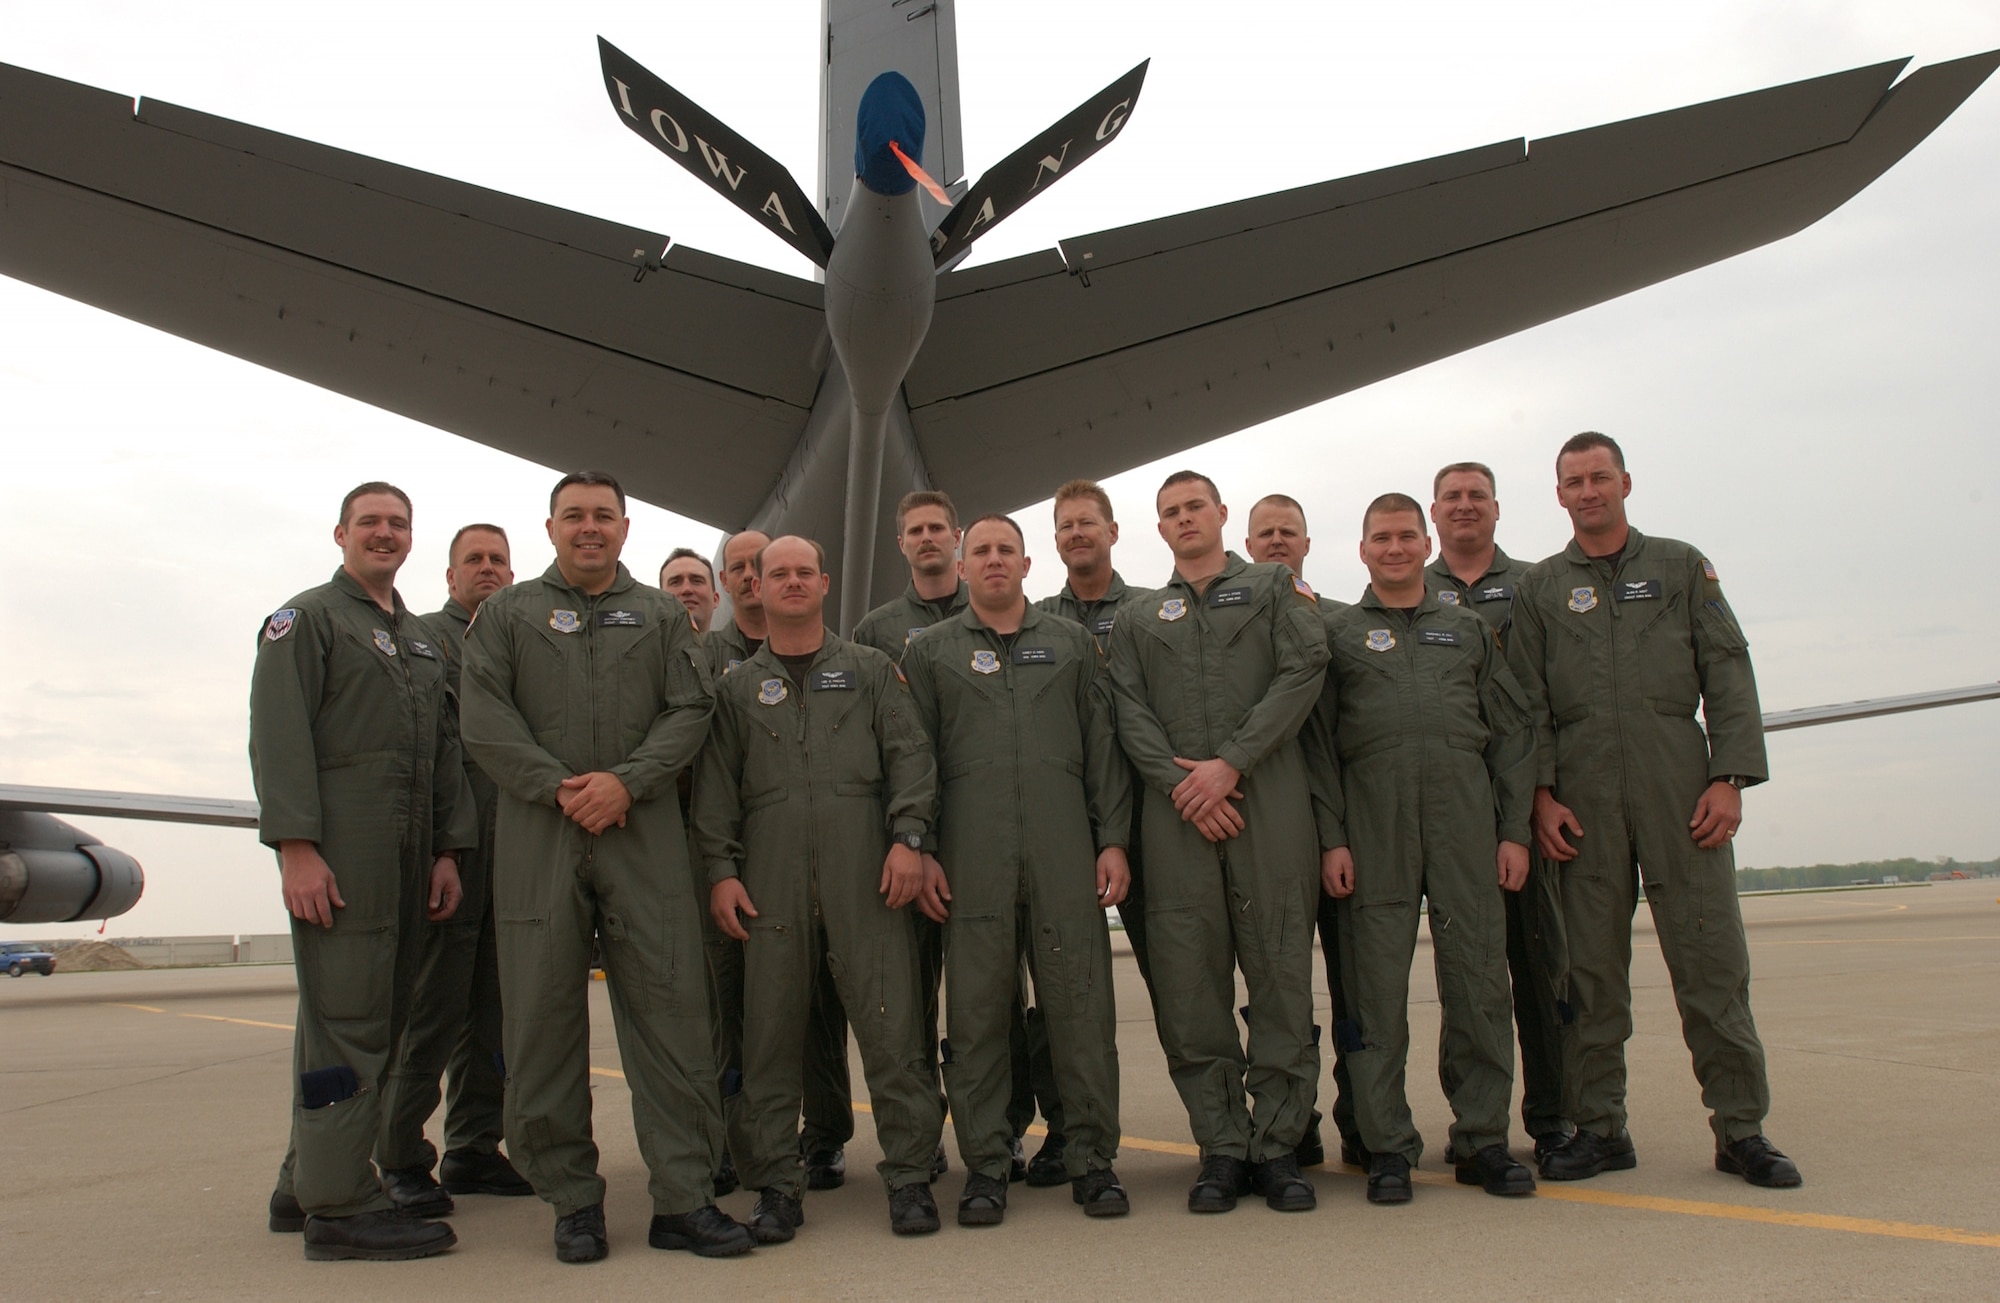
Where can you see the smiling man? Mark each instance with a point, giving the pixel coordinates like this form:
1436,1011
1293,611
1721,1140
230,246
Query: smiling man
361,790
1030,823
1423,764
1618,640
1213,675
690,579
586,693
1472,573
455,1011
809,809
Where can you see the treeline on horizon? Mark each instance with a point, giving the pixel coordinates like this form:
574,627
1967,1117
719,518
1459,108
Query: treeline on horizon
1840,875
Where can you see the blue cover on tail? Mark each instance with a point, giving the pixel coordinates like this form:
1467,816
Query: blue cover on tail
890,110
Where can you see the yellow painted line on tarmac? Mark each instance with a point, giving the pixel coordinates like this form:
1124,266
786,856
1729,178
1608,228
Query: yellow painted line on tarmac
1773,1216
1561,1194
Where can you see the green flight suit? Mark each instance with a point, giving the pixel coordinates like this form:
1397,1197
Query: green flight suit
890,629
353,748
1328,920
454,1024
1535,946
1099,617
1031,787
829,1092
1231,671
1615,663
797,792
1423,762
558,682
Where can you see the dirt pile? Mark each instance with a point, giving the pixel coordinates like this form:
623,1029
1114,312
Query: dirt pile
95,957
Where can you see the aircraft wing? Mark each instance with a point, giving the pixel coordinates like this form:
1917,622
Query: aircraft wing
1805,717
129,805
1126,346
535,330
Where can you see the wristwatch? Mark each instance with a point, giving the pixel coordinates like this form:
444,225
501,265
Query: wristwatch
913,840
1737,781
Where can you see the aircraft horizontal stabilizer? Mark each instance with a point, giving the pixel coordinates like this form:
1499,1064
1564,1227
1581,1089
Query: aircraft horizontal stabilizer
1778,720
722,160
1037,165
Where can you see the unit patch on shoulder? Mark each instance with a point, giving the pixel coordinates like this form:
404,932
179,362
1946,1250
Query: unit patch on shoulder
564,621
621,619
1708,568
280,623
1173,608
1448,597
1303,588
384,643
1582,599
1381,640
985,662
771,692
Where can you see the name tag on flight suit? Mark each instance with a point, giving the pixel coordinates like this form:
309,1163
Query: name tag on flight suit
420,648
1497,593
1637,590
833,681
1034,655
620,619
1229,597
1439,637
1102,625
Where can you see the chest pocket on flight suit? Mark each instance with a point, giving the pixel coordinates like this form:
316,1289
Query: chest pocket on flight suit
845,715
541,678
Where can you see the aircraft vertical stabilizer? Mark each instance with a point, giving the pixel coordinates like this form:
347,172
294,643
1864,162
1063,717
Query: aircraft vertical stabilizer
864,38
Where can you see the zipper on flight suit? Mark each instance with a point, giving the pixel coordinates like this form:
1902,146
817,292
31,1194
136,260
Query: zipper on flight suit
805,751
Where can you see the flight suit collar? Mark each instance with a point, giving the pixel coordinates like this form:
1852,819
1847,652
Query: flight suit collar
1232,565
1634,540
1373,601
348,584
621,582
939,610
1113,594
830,644
970,619
1441,570
456,610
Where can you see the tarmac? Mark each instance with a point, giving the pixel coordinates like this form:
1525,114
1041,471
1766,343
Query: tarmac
143,1114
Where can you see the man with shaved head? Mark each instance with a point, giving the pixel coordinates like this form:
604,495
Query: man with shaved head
809,801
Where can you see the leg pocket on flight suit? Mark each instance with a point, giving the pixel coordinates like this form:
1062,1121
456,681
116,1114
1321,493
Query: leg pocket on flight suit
1066,982
1176,943
351,968
647,964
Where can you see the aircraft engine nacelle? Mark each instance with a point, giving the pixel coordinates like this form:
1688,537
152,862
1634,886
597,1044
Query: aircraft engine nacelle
51,872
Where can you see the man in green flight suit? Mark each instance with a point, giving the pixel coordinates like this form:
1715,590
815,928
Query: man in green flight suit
1030,818
1472,573
808,809
1617,640
1213,676
455,1014
585,693
1092,592
1423,766
829,1092
1277,536
928,536
361,792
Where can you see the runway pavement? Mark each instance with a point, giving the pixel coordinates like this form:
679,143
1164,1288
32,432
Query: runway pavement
142,1117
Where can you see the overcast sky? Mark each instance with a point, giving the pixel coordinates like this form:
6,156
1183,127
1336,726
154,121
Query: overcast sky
1818,415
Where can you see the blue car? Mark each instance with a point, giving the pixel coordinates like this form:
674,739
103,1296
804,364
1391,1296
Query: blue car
25,957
